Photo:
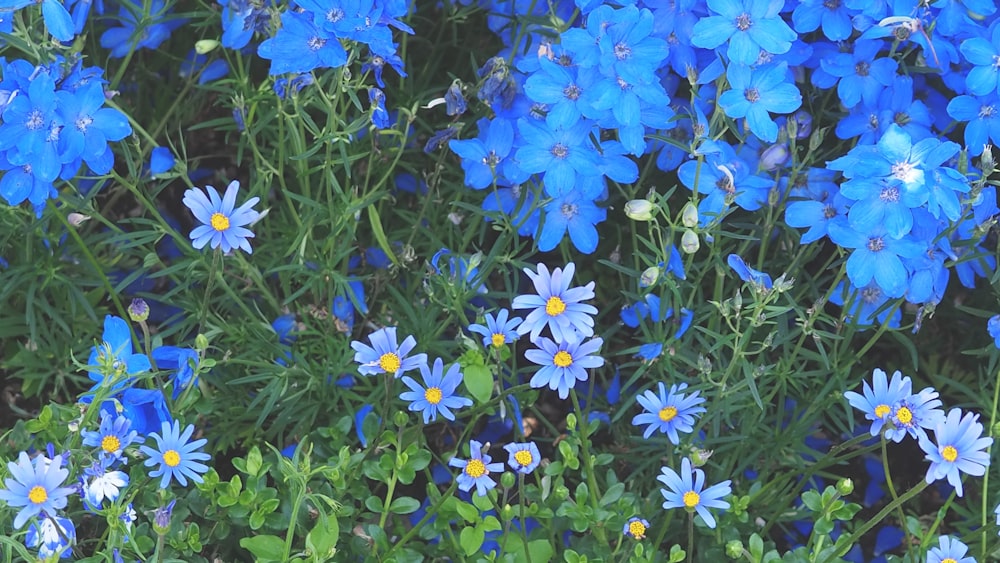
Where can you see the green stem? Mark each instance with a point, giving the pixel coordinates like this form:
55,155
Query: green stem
431,512
588,463
986,477
690,551
892,492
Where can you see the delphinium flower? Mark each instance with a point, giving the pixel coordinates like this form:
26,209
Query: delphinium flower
486,158
879,397
914,413
182,363
439,395
301,46
993,327
636,527
876,256
112,437
984,78
52,536
949,550
498,330
722,180
864,306
36,488
748,274
174,456
223,224
756,93
862,75
385,356
834,17
561,155
556,305
142,26
476,470
687,490
668,412
749,26
563,363
572,213
524,457
960,448
115,353
981,115
57,20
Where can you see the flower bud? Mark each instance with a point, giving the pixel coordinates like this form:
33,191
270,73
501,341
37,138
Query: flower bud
205,46
138,310
649,276
700,457
77,219
986,161
689,242
161,518
689,215
845,486
774,156
561,492
804,124
400,419
201,342
640,210
734,549
507,480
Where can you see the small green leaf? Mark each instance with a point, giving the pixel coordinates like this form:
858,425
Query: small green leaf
322,540
254,461
479,382
471,539
265,548
468,512
404,505
374,504
612,494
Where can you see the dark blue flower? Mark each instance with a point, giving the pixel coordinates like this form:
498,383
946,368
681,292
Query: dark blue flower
573,213
148,32
981,115
299,46
862,75
833,16
561,155
984,78
748,274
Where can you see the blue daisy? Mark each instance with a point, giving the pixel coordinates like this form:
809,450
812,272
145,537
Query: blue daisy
563,364
636,527
476,470
497,331
556,305
37,488
913,414
949,550
175,455
668,412
687,490
385,356
524,457
112,437
439,395
879,398
224,224
960,448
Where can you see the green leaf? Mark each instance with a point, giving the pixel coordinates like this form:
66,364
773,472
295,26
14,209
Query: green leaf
322,540
254,461
468,512
471,539
374,504
265,548
613,493
404,505
479,382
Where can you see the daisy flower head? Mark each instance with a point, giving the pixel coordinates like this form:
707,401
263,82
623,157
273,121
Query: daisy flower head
563,364
959,449
668,412
385,356
52,537
439,395
112,437
175,456
913,414
636,527
687,490
223,224
476,470
879,397
949,550
497,331
557,305
524,457
100,484
36,488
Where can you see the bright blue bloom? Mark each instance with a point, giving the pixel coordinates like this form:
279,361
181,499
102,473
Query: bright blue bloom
560,88
982,120
669,412
379,114
439,395
823,206
960,448
750,26
993,327
57,20
687,490
27,122
862,75
563,363
497,331
723,179
574,213
183,362
636,528
758,92
629,47
377,63
160,160
879,398
385,356
949,550
155,29
299,46
175,456
560,155
524,457
487,157
53,537
876,257
748,274
984,78
146,409
833,16
112,437
556,305
223,224
476,470
37,489
633,107
115,351
913,414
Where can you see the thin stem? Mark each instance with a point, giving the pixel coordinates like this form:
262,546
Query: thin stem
690,550
892,492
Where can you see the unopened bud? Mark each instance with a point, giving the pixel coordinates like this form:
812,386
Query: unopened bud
507,479
161,518
205,46
201,342
986,160
561,492
689,215
649,276
774,155
734,549
845,487
804,124
138,310
689,242
400,419
77,219
639,210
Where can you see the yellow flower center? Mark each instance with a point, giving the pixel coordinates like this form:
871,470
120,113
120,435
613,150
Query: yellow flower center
498,340
110,444
523,457
389,362
637,530
171,458
949,453
882,410
433,395
948,560
668,413
554,306
38,494
691,499
475,468
904,415
219,222
562,359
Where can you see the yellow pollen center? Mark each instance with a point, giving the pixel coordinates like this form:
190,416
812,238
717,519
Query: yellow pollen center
882,410
668,413
691,499
475,469
562,359
554,306
948,560
38,494
433,395
389,362
637,530
949,453
219,222
904,415
523,457
110,444
498,340
171,458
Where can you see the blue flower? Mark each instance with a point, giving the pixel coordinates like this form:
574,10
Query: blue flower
563,364
686,490
183,362
913,414
748,274
476,470
379,115
141,27
524,457
833,16
750,26
877,257
35,488
556,305
668,412
115,354
757,92
439,395
485,159
223,224
630,47
982,120
561,155
112,437
100,484
385,356
27,123
993,327
721,180
146,409
176,457
498,331
862,75
53,537
636,527
984,78
574,213
879,398
57,20
299,46
960,448
949,550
